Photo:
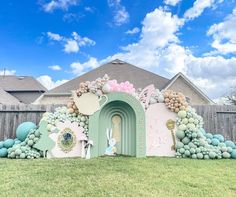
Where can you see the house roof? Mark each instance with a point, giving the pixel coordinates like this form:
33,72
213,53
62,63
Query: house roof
6,98
194,87
116,69
14,83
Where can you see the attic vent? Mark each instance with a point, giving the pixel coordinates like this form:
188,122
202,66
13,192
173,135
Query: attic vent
117,62
21,78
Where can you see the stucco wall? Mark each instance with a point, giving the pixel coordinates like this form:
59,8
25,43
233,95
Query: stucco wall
180,85
45,100
26,97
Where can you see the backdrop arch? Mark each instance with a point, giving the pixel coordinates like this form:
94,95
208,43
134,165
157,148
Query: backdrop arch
133,129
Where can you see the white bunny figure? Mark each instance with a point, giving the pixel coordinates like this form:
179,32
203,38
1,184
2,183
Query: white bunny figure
111,149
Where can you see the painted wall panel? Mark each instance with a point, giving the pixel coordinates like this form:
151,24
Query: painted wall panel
158,138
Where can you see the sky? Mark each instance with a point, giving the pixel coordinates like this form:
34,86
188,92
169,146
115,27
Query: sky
57,40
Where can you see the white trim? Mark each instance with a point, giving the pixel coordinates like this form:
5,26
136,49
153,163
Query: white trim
191,84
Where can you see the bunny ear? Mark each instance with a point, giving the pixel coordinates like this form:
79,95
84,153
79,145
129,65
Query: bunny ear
108,131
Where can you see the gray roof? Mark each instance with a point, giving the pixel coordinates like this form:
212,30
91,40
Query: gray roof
119,70
6,98
14,83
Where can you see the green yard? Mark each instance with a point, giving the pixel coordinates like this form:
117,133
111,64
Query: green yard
120,176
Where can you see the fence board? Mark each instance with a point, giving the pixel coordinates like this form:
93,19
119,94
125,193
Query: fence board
218,118
13,115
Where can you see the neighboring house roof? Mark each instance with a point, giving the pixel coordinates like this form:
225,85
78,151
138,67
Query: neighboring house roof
194,87
6,98
117,69
12,83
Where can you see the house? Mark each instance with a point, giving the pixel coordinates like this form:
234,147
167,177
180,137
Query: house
16,90
122,71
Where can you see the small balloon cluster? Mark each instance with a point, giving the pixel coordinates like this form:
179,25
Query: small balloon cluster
114,86
175,101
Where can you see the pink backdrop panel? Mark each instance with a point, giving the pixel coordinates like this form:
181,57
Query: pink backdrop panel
158,137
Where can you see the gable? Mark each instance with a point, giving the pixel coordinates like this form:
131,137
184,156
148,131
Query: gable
181,85
6,98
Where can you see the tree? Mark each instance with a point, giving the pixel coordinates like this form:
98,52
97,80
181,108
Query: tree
232,98
44,143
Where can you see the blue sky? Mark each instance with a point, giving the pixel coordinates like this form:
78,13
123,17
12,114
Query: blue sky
57,40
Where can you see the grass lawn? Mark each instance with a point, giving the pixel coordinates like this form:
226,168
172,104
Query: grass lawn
118,176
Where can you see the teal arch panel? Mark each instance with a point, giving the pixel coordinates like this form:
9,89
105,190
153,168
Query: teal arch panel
133,117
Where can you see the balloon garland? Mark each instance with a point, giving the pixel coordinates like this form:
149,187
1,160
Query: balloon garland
192,140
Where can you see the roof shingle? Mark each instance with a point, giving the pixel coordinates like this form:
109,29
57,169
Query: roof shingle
119,70
14,83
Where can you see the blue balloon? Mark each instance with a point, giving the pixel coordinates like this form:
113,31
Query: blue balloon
3,152
1,144
24,129
209,135
219,137
8,143
17,141
215,142
233,154
230,144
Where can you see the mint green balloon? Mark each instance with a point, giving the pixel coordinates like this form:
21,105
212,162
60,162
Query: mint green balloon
186,140
187,153
182,114
179,145
226,155
24,129
192,150
199,155
22,155
212,155
180,134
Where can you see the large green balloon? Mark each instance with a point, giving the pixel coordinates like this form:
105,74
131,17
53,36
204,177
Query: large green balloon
1,144
3,152
24,129
8,143
233,154
230,144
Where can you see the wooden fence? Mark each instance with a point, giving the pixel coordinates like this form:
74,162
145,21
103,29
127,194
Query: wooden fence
13,115
218,119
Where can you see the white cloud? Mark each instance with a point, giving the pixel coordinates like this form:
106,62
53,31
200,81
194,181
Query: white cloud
199,6
7,72
55,67
135,30
48,82
72,44
121,16
80,68
224,34
172,2
54,36
158,31
89,9
50,6
83,41
159,50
